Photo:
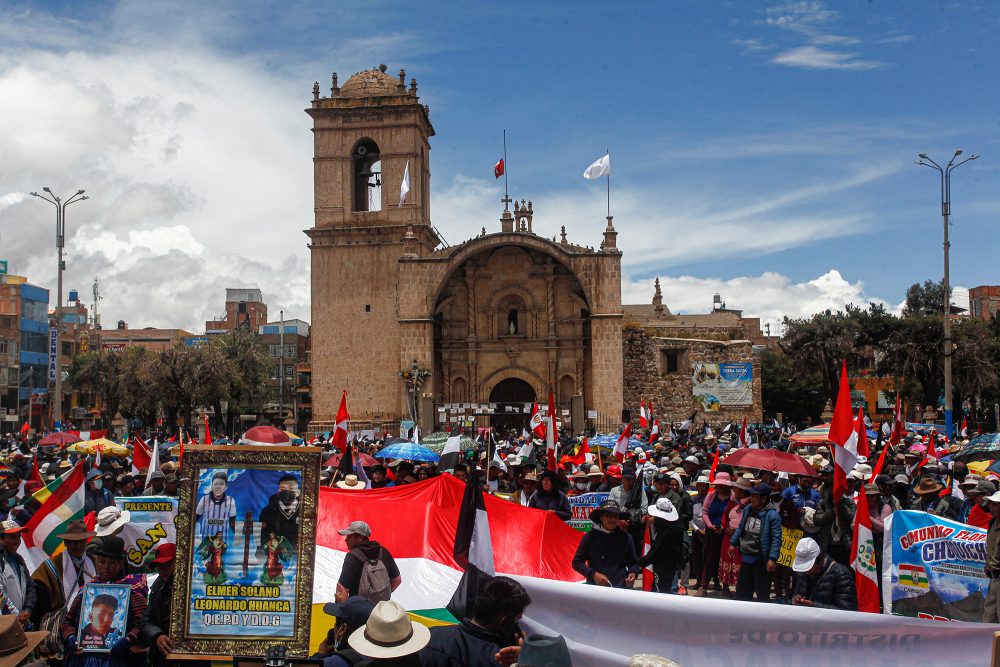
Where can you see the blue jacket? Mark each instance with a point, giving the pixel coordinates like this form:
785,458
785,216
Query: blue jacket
770,533
801,498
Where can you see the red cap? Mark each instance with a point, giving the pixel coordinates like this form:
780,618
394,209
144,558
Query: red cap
165,553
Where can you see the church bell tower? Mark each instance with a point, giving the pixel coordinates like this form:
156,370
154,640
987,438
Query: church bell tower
369,136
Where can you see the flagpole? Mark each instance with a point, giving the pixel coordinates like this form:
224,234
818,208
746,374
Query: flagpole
506,194
608,153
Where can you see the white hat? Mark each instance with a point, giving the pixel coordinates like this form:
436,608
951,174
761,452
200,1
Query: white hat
664,509
650,660
692,459
111,519
356,528
995,498
351,483
703,479
806,553
637,450
389,633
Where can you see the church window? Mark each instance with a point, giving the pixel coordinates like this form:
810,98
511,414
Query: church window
672,361
366,169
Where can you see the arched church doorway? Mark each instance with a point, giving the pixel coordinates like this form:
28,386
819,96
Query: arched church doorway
510,392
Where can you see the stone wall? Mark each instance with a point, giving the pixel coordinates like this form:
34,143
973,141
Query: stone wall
671,393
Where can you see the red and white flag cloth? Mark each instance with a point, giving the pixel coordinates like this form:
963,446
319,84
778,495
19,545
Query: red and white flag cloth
536,423
863,561
550,433
654,433
964,431
647,572
744,442
498,169
862,431
643,418
140,454
621,445
340,427
844,437
898,427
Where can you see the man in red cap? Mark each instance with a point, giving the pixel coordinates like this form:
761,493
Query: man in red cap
154,629
14,573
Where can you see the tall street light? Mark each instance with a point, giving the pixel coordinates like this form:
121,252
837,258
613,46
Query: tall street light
945,173
60,244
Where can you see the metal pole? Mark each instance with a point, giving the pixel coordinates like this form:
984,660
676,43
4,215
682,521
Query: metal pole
945,173
281,366
60,235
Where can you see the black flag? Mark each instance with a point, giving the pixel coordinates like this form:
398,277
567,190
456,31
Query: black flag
473,549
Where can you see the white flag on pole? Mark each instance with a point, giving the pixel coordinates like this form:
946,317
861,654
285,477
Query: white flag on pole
601,167
404,187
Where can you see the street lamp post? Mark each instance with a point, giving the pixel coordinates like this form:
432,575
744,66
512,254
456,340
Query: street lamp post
945,173
60,205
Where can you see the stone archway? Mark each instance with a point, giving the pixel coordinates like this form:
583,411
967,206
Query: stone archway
513,392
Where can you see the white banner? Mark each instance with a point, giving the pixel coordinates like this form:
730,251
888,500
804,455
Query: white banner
605,626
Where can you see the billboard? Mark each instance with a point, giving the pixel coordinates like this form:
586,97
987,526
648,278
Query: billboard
722,385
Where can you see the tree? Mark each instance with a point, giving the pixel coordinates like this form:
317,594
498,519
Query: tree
818,344
246,372
925,299
99,373
797,395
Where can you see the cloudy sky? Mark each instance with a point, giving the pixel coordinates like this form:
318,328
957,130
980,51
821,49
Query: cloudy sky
761,151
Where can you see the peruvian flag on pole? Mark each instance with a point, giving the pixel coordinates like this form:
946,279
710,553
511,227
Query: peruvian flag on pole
743,434
654,433
621,445
647,572
863,561
862,432
340,427
550,433
844,437
536,423
643,418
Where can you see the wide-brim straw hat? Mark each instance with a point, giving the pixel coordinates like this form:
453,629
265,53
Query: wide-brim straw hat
389,633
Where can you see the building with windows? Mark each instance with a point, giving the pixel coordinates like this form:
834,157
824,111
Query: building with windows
24,351
245,307
123,337
287,354
984,301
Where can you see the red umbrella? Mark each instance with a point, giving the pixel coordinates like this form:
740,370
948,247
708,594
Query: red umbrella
770,459
59,439
266,435
365,460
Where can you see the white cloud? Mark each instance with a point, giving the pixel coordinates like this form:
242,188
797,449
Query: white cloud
770,296
814,57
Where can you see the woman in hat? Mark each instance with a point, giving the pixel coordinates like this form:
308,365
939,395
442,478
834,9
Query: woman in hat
717,503
109,561
606,555
730,559
548,497
666,548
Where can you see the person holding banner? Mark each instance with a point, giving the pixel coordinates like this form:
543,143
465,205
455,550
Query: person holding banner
991,610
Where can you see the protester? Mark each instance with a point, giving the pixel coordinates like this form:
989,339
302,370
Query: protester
476,641
820,581
978,513
350,615
156,483
701,485
96,497
109,561
16,645
834,523
717,502
390,638
632,500
549,498
366,557
730,559
529,484
991,610
154,628
667,548
15,576
59,578
606,555
758,540
929,499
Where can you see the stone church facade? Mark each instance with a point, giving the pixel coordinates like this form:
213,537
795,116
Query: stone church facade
496,321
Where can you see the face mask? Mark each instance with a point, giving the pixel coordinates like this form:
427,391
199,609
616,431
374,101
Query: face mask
581,486
286,497
98,484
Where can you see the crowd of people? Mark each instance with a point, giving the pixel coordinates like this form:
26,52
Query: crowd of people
710,529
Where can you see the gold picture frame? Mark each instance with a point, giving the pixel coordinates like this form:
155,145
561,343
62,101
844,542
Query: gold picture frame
205,614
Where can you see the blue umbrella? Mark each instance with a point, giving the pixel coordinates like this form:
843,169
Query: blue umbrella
983,447
409,451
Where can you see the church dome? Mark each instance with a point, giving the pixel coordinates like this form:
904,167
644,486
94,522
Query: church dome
370,83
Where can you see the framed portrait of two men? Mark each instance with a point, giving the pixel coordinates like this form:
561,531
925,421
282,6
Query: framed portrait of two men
246,530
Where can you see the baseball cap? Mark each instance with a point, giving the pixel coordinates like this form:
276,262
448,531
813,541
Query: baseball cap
357,528
806,553
165,553
354,611
761,490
